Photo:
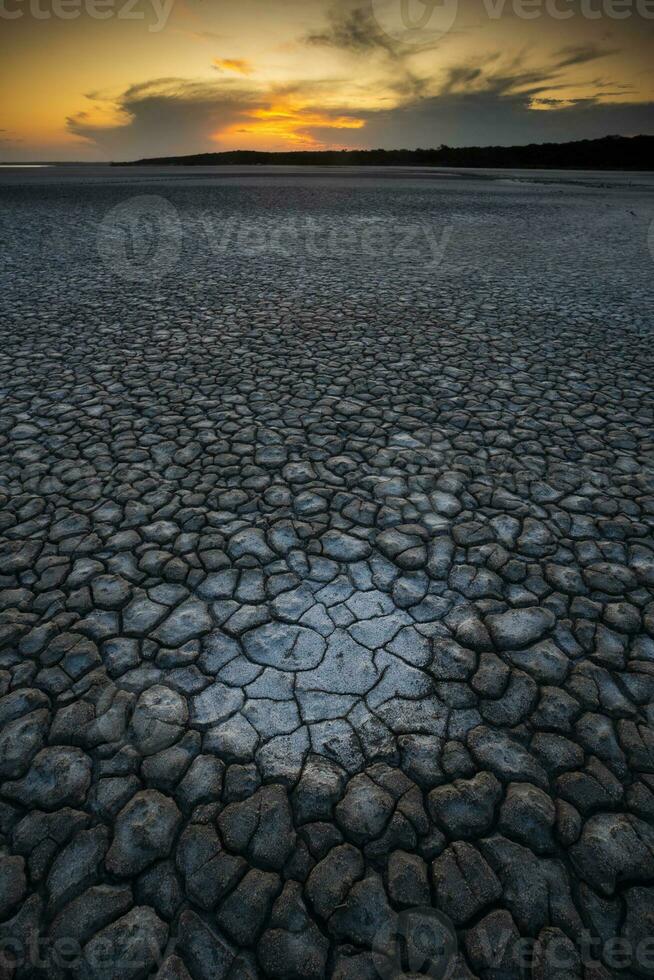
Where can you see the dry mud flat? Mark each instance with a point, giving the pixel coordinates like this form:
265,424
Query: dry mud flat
327,578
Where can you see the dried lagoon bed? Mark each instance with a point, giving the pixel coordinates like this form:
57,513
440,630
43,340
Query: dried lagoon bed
327,571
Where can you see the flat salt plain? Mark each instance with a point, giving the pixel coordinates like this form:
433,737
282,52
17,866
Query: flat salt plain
327,572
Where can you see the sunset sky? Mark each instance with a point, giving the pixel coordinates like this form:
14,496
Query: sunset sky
185,76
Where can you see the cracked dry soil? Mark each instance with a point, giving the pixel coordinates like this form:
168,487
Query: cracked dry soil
327,584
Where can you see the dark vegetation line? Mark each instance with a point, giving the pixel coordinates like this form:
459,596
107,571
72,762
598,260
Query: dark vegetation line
609,153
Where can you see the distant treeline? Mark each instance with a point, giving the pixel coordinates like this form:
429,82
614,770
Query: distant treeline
609,153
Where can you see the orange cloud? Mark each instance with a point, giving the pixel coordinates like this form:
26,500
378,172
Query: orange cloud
286,122
237,65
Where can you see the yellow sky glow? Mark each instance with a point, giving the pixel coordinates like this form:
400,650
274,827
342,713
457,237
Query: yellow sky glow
292,74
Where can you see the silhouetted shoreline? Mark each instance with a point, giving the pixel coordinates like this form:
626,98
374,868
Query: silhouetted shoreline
608,153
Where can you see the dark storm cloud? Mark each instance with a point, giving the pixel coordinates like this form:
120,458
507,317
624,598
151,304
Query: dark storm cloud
582,54
181,118
484,118
351,28
491,76
164,116
461,76
171,116
484,79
